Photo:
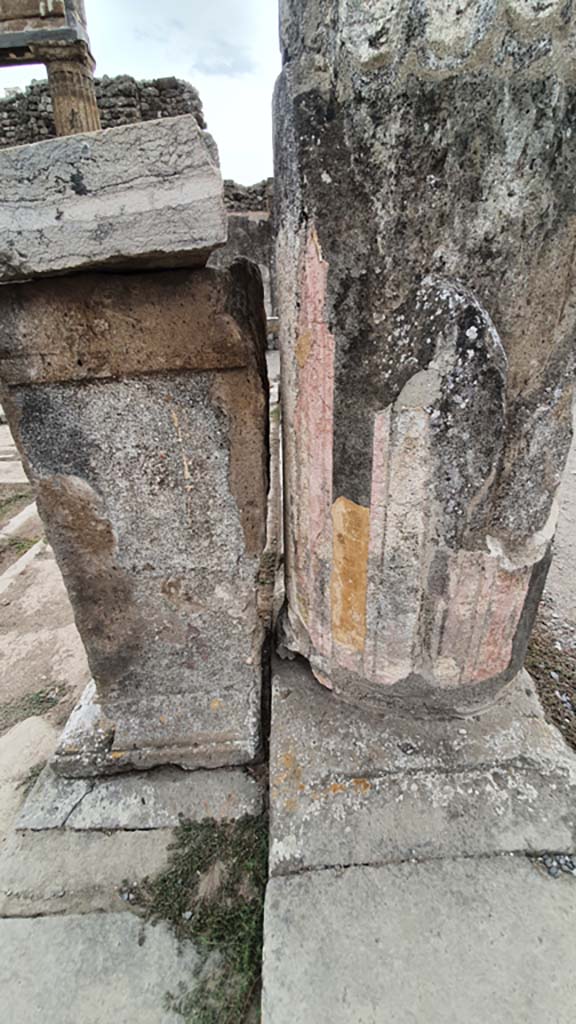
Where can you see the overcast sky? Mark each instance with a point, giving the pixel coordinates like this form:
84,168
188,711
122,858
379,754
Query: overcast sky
228,49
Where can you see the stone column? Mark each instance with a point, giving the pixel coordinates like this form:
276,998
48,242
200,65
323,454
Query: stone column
139,403
425,155
74,105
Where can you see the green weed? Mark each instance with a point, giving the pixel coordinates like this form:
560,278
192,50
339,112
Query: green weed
212,893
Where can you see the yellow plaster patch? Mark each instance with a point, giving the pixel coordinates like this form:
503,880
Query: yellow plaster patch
303,348
351,535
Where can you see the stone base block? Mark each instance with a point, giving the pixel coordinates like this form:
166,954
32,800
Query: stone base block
350,788
148,450
194,730
137,802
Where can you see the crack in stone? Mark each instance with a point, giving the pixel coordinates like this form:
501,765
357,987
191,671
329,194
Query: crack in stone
530,855
77,805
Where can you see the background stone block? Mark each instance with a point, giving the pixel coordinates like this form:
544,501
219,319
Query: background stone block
145,194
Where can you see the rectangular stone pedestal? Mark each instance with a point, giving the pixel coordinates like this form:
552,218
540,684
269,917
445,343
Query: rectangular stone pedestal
139,404
348,787
408,883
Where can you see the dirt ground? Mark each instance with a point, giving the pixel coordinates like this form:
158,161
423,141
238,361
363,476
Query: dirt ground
15,498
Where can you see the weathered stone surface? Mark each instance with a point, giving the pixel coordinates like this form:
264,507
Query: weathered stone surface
185,321
250,234
66,872
448,941
158,799
362,789
144,194
22,748
57,20
92,968
152,483
427,303
52,801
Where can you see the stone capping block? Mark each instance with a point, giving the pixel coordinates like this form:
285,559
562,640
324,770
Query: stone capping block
347,787
124,325
140,801
142,195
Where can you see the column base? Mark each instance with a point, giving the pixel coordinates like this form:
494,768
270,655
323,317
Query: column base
177,729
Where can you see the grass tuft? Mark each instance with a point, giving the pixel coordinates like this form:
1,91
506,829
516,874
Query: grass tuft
37,703
212,893
12,502
19,545
31,777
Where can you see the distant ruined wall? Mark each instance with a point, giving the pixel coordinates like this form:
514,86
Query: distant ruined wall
241,198
27,116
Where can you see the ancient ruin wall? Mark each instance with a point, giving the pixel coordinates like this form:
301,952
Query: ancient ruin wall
27,116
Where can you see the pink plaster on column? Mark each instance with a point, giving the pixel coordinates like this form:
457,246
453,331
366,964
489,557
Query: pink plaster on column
460,616
507,597
484,605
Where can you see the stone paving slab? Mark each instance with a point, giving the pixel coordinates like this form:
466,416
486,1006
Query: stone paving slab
456,942
39,644
26,523
90,969
140,801
66,872
22,747
11,469
350,788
